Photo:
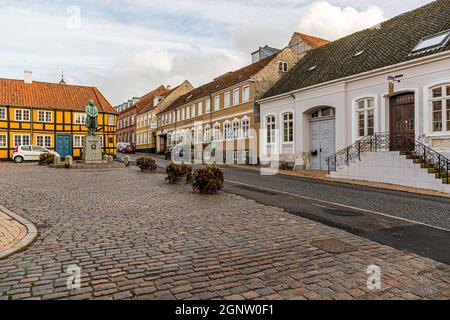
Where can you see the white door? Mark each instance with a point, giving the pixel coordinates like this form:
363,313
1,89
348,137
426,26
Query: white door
322,143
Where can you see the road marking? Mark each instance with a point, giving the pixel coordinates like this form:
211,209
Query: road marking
338,204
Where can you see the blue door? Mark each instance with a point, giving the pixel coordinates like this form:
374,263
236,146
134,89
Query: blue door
64,145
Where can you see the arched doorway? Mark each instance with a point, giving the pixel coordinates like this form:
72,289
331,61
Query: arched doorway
322,136
401,120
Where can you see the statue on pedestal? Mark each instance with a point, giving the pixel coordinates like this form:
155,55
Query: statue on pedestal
91,118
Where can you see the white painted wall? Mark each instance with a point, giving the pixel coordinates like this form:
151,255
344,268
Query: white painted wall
417,78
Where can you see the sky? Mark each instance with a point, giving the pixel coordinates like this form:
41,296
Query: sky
126,48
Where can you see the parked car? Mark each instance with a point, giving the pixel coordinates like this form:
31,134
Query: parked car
121,146
30,153
129,149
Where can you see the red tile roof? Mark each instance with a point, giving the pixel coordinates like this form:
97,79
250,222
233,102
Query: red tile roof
222,82
146,102
51,96
314,42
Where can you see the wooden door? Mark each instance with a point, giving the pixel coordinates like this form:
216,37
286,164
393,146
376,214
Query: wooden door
402,121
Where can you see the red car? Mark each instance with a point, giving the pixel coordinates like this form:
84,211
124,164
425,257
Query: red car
129,149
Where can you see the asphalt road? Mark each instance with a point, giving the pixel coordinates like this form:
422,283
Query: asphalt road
409,222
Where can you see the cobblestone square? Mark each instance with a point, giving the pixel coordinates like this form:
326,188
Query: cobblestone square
136,237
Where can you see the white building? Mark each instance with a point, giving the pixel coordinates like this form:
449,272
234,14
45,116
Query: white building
393,78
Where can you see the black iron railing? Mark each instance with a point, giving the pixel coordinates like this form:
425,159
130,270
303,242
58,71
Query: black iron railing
378,142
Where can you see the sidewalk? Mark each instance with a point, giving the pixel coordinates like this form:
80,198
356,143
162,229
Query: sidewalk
321,175
14,234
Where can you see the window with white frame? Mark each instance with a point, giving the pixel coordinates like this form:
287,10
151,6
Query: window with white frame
21,140
270,129
217,135
3,140
245,128
440,106
80,118
44,141
246,94
236,97
193,111
283,66
22,115
365,117
78,141
227,131
236,129
227,101
183,114
133,120
2,113
200,109
207,133
235,155
288,127
216,103
178,115
188,111
199,137
208,106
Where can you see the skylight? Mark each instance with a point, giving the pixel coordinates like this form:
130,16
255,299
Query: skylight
435,41
312,68
358,53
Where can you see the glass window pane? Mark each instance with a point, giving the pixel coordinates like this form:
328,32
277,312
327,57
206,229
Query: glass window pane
361,124
437,92
370,122
448,90
448,115
437,116
361,104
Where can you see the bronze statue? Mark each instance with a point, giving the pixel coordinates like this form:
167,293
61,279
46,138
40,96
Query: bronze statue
91,118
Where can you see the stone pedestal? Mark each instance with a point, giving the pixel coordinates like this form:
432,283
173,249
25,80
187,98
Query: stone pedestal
92,151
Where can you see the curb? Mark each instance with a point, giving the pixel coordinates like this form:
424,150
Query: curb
26,241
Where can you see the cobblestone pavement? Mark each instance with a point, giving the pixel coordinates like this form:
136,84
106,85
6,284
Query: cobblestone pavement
134,236
11,232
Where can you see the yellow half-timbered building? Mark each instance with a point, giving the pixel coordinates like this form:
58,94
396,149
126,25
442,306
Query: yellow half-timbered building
52,116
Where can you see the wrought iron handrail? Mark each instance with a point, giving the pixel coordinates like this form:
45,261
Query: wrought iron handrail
382,142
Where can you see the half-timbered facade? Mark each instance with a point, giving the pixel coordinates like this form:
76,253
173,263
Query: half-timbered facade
52,116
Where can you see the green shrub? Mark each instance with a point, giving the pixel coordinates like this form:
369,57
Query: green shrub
147,163
208,180
46,158
175,172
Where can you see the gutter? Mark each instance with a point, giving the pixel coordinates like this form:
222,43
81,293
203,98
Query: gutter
361,76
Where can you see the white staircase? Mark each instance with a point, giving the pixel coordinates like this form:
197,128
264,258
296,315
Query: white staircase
390,167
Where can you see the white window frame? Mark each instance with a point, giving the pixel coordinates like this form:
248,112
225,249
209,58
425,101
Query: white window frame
217,103
80,138
245,127
270,131
46,141
364,111
445,108
287,125
245,91
80,118
227,100
193,111
207,136
22,113
283,66
208,106
3,140
217,132
3,113
200,109
43,116
236,129
22,140
236,97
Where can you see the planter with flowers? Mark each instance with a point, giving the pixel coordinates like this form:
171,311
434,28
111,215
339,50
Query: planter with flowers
147,164
177,173
208,180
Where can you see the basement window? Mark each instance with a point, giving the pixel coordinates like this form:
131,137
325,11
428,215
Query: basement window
432,42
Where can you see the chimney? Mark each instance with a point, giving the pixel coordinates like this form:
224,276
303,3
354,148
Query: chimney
169,87
28,76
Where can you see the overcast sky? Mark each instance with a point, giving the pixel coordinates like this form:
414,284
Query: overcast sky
128,47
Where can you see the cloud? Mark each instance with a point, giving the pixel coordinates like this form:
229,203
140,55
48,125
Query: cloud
332,22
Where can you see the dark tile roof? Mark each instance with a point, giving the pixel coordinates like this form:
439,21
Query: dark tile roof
382,46
51,96
222,82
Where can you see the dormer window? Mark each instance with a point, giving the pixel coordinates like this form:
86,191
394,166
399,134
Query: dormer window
283,66
432,42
